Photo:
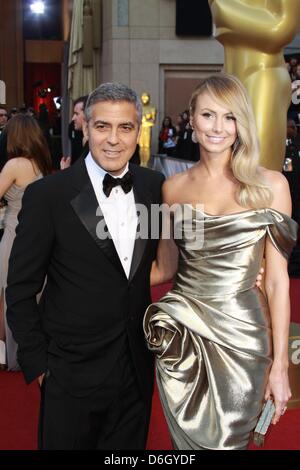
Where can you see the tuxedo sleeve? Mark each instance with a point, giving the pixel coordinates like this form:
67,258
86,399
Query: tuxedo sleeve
27,271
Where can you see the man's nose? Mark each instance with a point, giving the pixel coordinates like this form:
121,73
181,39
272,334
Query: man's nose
112,138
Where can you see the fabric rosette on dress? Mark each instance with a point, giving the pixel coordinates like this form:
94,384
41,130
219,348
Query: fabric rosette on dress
211,333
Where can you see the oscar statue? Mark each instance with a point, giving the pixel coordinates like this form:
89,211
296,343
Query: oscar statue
254,33
148,121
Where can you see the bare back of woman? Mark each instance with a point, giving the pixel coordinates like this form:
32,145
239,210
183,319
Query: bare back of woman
29,160
17,174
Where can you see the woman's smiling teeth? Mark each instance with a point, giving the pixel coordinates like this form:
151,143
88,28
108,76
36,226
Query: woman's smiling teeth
215,140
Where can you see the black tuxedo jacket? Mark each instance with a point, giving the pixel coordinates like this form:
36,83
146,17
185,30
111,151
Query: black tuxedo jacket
88,310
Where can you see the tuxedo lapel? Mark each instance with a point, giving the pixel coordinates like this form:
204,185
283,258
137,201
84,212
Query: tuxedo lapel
86,207
141,196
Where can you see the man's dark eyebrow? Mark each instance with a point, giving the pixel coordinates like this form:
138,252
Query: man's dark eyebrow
104,123
101,122
128,123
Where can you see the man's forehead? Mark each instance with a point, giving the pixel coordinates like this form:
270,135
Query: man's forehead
114,104
116,111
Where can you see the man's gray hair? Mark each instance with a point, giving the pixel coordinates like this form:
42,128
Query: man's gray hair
113,91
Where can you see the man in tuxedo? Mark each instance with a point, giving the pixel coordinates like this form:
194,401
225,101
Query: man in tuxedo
84,341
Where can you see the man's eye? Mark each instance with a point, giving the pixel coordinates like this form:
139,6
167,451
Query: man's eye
100,127
126,128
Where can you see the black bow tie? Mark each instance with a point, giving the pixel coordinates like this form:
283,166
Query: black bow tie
109,183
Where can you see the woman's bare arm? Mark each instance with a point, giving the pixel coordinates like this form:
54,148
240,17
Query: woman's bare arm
7,177
277,290
165,266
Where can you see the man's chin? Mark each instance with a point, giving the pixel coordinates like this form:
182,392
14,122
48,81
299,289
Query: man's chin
113,167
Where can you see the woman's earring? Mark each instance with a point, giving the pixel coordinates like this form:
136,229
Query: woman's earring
194,138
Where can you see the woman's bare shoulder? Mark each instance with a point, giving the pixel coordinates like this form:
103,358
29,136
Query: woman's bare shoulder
11,166
173,186
20,169
18,162
274,179
279,186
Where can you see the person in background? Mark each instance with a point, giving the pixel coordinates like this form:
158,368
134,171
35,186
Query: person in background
288,67
79,146
297,74
3,118
3,149
3,158
179,125
3,139
167,137
13,112
44,122
291,170
293,68
186,148
28,160
30,111
182,123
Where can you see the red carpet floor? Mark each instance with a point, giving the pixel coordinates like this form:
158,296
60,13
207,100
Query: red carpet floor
19,408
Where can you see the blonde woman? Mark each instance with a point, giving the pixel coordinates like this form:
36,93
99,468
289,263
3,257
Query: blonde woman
221,346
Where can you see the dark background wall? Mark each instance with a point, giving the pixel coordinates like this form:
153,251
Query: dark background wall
193,18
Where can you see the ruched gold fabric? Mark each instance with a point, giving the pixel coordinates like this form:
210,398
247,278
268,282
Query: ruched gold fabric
211,333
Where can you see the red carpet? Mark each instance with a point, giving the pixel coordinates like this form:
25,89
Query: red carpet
19,408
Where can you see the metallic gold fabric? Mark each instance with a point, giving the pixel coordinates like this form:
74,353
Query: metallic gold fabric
211,333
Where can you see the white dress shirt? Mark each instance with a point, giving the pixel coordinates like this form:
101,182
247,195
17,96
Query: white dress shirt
119,212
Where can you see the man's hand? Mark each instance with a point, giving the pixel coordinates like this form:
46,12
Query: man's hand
259,277
41,379
65,162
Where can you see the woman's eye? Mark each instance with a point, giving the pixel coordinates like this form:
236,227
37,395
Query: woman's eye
207,115
231,118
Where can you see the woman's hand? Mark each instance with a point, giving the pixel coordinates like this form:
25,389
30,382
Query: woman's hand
278,389
259,277
40,379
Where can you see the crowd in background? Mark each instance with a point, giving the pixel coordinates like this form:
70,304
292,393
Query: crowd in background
293,67
176,140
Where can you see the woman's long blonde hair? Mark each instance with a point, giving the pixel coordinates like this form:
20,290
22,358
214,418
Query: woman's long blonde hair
229,92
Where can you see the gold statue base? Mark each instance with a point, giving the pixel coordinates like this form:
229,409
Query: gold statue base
145,154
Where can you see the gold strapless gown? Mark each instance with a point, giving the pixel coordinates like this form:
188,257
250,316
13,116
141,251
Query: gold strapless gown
211,333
